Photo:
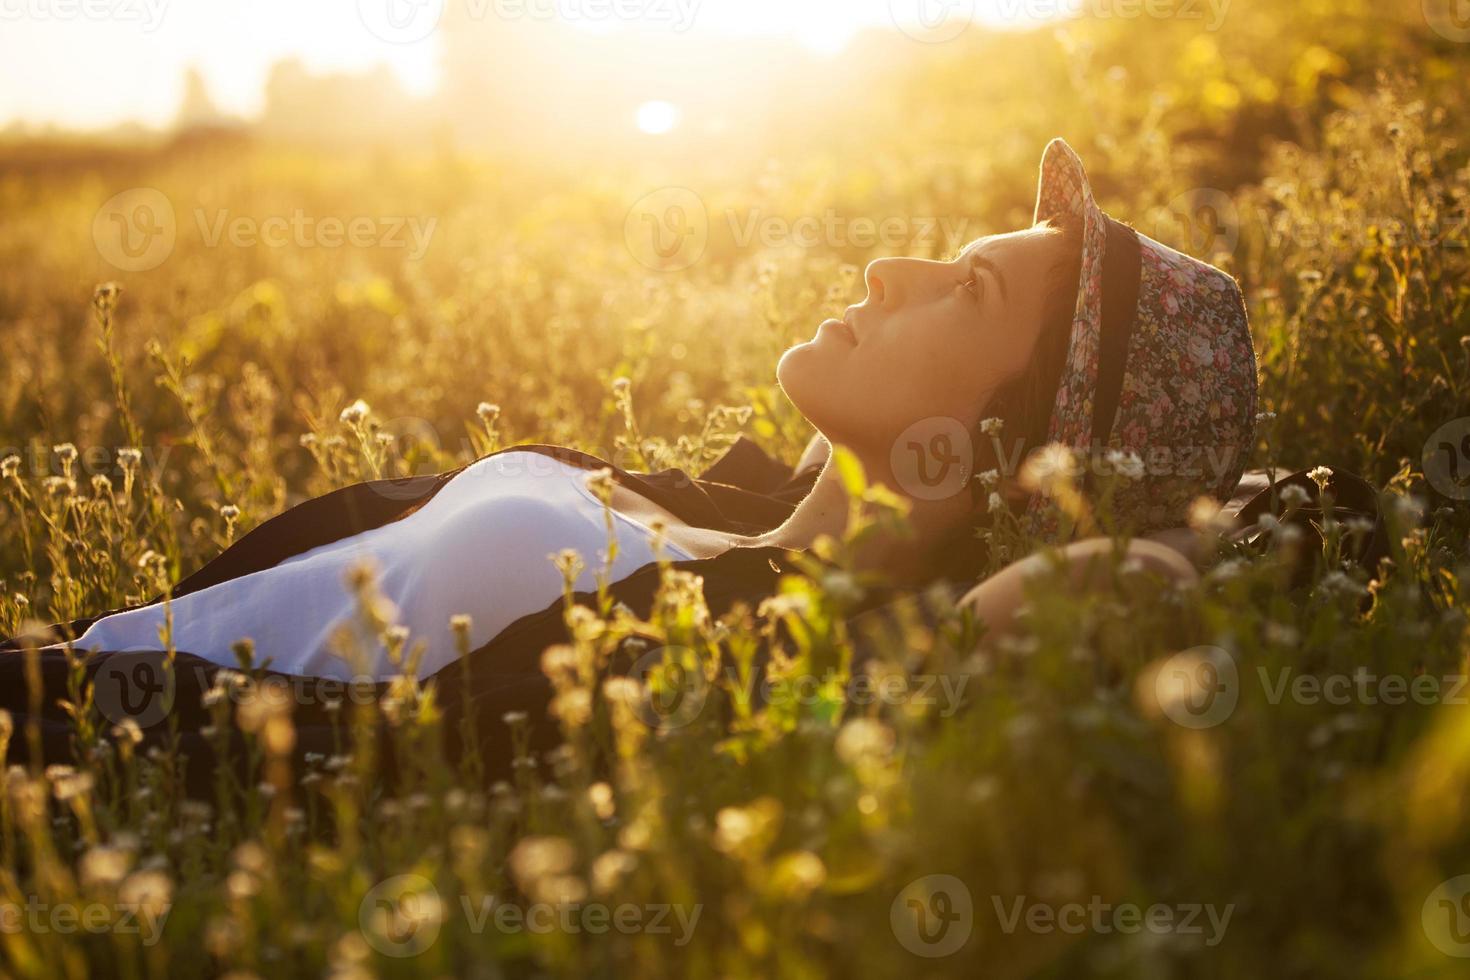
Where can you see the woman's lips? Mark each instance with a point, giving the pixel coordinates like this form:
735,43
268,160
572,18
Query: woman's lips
842,329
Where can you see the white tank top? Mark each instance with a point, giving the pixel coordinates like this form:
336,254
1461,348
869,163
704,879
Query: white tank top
482,546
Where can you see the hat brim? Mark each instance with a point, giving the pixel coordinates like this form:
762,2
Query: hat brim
1159,362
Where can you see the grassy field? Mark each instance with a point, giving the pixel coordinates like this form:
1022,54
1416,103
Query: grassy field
1060,823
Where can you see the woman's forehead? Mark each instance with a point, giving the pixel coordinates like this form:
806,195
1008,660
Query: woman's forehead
994,246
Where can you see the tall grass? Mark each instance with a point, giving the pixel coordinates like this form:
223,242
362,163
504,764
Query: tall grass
158,415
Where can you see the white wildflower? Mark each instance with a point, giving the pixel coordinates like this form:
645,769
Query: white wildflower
355,413
1126,463
1294,497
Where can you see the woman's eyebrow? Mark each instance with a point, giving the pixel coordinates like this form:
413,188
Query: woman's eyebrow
981,262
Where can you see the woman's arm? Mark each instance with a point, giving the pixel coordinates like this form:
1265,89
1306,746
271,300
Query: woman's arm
996,599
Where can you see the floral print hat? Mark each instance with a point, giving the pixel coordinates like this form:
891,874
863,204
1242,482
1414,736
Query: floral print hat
1160,365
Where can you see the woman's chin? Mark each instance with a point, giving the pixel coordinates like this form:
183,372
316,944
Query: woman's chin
799,373
812,382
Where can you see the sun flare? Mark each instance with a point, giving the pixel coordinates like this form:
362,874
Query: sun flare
657,118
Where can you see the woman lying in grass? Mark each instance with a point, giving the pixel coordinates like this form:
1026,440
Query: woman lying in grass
1077,331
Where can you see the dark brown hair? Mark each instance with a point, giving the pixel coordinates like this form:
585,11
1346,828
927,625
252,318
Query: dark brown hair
1024,403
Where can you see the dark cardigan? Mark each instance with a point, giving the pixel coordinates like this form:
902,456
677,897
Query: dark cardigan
745,491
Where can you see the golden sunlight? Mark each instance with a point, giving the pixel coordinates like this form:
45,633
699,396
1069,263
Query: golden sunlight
657,118
235,47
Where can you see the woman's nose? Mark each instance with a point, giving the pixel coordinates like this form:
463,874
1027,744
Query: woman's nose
882,282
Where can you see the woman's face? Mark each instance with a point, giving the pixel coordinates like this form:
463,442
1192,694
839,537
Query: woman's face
931,340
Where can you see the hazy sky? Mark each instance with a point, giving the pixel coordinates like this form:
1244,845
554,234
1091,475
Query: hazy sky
89,63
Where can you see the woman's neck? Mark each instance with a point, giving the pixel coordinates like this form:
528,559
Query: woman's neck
824,511
827,511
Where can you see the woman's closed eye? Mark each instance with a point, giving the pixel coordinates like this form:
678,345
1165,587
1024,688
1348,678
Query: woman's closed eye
974,285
